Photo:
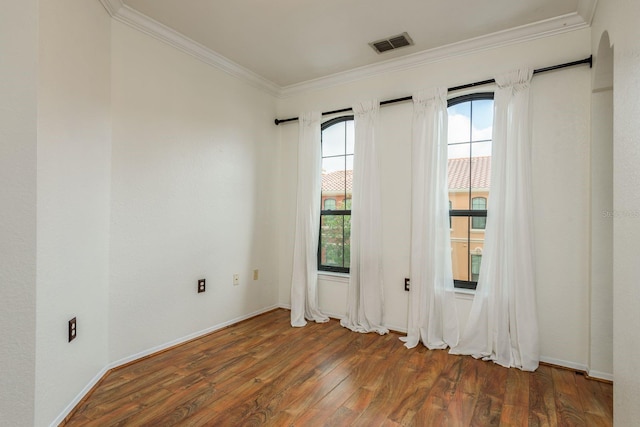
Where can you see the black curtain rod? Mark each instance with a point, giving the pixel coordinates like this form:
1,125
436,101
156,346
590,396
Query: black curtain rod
588,60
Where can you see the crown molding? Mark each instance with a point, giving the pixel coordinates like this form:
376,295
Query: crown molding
112,6
537,30
546,28
586,9
129,16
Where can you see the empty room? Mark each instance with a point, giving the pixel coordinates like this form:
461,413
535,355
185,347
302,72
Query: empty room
335,213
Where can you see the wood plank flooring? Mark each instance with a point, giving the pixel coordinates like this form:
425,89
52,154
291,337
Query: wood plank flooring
264,372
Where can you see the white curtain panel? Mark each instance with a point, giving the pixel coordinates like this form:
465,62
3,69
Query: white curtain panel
304,282
432,311
503,324
365,295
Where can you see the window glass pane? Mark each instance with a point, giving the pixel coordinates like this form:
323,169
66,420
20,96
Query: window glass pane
482,120
350,136
347,241
469,176
332,164
349,162
333,140
475,267
337,176
478,223
460,248
459,151
481,149
331,238
459,122
479,203
329,204
334,251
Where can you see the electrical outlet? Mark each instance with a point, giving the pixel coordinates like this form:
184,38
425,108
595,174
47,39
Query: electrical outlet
236,279
407,284
201,285
72,329
255,274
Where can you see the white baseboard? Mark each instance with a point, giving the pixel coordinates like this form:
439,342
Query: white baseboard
71,406
578,367
79,397
186,338
564,363
601,375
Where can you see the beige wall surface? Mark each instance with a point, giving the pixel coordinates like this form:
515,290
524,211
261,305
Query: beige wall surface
194,162
619,18
18,141
74,162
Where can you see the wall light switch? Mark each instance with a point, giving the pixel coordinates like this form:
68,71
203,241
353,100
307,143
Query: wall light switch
236,279
255,274
201,285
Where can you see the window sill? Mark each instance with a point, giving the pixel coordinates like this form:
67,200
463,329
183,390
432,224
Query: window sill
330,276
465,293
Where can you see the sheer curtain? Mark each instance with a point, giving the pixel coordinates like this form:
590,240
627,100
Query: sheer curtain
503,324
432,311
365,295
304,282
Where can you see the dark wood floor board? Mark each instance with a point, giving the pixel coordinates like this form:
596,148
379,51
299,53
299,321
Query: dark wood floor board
517,388
343,416
176,407
264,372
488,409
594,402
514,416
568,402
542,403
606,393
462,405
129,387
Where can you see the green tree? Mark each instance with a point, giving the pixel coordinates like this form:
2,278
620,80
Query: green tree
335,238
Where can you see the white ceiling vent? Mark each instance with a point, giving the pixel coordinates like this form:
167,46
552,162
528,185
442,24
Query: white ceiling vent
390,43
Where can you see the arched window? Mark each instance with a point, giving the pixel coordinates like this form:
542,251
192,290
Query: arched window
469,179
337,174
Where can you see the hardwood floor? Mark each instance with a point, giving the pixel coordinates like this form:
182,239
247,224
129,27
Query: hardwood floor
263,372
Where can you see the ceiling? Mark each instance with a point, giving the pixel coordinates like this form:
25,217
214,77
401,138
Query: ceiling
287,43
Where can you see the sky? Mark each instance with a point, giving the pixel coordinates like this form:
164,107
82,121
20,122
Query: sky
467,121
466,124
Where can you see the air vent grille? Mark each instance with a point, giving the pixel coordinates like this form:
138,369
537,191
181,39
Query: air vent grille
390,43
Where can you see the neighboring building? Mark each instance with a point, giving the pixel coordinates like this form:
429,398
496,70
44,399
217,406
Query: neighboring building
336,187
467,234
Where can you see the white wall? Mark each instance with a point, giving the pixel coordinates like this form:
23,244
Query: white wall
620,19
193,174
601,352
561,132
74,160
18,120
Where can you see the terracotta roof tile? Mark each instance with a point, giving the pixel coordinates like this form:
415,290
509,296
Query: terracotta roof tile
458,175
335,181
480,172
